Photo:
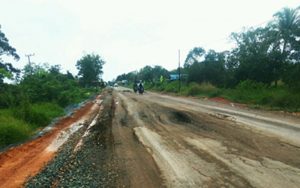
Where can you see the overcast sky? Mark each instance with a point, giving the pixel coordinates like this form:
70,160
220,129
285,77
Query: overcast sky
127,34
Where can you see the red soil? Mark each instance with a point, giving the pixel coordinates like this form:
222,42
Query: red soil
21,162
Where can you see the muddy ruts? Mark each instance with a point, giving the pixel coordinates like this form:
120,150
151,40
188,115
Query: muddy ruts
92,165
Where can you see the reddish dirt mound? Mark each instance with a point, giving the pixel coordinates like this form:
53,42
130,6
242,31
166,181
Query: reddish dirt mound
220,99
21,162
226,101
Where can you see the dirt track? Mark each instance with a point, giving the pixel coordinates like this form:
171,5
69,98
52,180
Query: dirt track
23,161
155,140
203,144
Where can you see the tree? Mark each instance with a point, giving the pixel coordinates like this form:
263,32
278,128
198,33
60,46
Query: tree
90,69
287,28
194,56
146,74
211,69
287,25
6,69
256,56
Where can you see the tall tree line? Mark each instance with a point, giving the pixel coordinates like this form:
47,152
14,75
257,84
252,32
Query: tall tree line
265,54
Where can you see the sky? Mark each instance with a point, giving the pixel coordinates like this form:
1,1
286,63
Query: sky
127,34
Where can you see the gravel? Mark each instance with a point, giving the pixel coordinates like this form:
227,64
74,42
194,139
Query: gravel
93,165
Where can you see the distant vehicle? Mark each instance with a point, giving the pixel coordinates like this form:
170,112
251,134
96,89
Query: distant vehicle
116,85
138,87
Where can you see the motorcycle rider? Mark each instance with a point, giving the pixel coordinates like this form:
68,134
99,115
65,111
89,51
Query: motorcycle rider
140,87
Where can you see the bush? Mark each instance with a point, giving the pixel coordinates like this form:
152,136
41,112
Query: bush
12,130
172,87
251,85
203,89
39,114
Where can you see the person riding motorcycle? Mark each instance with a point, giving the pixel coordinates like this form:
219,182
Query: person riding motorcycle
138,87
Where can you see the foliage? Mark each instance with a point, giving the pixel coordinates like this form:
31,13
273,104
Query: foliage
292,76
194,56
148,74
50,85
90,69
39,114
211,69
203,89
250,92
12,130
6,69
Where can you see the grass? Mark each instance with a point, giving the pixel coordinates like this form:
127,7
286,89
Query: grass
247,92
19,121
39,114
18,124
279,98
13,130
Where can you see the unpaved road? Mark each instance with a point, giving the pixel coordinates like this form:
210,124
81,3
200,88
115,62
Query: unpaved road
155,140
202,144
18,163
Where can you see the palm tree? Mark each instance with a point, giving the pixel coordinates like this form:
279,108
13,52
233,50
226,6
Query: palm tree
288,26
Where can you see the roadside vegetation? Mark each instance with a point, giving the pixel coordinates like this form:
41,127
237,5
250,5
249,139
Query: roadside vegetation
37,94
263,70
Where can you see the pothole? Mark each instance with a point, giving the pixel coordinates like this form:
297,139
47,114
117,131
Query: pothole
181,117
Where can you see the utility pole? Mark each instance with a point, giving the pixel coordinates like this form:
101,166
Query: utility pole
29,62
179,72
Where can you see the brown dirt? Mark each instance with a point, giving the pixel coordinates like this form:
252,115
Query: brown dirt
140,168
195,146
21,162
155,140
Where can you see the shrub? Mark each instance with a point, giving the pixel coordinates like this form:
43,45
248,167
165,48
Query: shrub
251,85
39,114
12,130
205,89
172,87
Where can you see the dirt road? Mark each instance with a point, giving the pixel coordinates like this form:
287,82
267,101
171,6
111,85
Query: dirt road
25,160
155,140
203,144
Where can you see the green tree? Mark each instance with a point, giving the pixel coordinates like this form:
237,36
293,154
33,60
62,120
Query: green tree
146,74
287,25
256,56
287,28
6,69
211,69
194,56
90,69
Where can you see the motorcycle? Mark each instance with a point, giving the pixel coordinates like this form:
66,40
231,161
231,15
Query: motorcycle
141,89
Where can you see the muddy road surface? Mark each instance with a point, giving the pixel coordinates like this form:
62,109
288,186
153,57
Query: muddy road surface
154,140
203,144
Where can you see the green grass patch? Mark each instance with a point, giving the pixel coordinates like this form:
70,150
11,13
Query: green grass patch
247,92
18,124
39,114
201,90
258,94
13,130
